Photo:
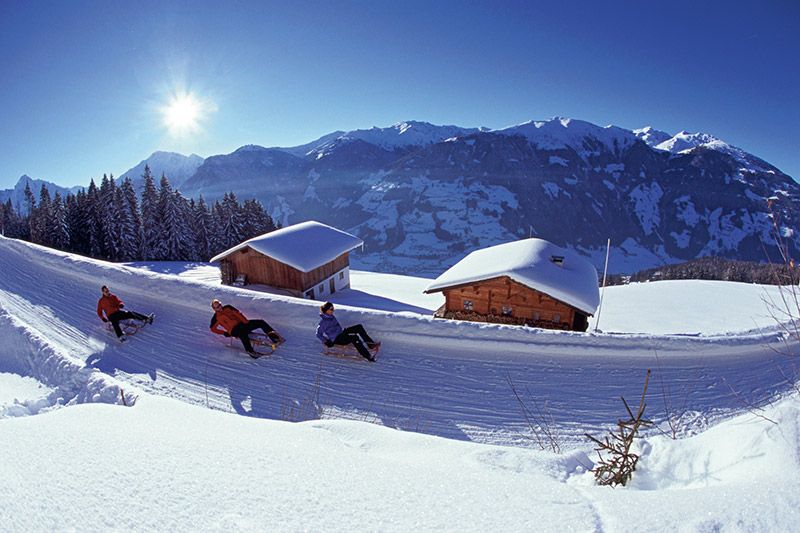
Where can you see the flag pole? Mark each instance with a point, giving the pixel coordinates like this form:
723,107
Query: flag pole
602,290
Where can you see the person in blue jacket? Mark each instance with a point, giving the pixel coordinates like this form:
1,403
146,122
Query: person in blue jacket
330,333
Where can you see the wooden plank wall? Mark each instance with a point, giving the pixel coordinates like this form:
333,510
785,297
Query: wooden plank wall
310,279
267,271
264,270
489,297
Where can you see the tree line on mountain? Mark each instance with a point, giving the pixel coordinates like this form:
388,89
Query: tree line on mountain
716,268
110,222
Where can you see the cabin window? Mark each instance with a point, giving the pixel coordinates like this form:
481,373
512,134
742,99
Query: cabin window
321,289
467,305
508,310
557,317
536,315
310,294
341,275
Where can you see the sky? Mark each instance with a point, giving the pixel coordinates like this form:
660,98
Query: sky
95,87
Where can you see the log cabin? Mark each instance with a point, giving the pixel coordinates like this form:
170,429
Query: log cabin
528,282
309,260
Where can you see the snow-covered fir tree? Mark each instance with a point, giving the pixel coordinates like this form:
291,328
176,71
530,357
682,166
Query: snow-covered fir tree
107,222
93,220
232,221
174,231
149,217
59,236
128,220
201,226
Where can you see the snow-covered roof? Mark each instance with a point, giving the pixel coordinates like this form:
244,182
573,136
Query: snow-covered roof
304,246
530,262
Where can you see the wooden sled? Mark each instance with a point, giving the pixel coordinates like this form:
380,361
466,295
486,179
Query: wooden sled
129,326
348,351
263,346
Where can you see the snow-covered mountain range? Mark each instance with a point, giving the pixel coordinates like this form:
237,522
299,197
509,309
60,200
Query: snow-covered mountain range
422,196
17,193
177,167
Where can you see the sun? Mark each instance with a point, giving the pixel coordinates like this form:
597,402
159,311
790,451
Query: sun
182,114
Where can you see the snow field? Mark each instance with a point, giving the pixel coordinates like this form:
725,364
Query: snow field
177,460
167,465
451,379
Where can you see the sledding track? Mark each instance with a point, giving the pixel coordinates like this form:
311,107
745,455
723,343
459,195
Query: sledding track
444,378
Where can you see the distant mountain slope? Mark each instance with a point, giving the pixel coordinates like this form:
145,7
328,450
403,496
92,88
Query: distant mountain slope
177,167
422,196
17,194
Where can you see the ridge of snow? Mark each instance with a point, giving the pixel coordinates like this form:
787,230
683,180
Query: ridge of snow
304,246
528,261
684,142
560,132
249,148
651,136
400,135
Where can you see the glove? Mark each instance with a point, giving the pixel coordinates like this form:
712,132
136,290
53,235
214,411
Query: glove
329,344
105,320
227,334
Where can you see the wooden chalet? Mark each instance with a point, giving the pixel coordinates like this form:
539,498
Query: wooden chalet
529,282
310,260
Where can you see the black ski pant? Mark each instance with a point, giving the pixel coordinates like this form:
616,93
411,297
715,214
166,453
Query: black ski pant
117,316
354,335
243,330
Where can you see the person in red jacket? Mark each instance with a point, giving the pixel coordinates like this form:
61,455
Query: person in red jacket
109,309
229,321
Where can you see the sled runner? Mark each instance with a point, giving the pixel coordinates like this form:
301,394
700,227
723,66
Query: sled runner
262,345
348,351
129,326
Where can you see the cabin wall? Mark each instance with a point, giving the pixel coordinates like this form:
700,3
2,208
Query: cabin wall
505,297
324,288
326,271
264,270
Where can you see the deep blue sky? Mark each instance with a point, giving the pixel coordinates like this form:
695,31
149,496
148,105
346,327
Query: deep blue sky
82,82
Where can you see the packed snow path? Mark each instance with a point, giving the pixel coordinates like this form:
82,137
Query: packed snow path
445,378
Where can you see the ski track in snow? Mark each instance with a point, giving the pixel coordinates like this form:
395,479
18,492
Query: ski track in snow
444,378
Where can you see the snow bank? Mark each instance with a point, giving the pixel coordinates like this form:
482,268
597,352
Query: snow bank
445,378
92,467
38,344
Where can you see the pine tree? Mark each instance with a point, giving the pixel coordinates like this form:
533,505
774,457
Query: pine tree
232,221
59,236
30,199
256,220
217,238
107,211
150,224
8,220
41,219
128,219
93,220
201,228
76,222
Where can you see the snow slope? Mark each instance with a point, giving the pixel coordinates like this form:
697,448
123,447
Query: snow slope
676,307
177,460
445,378
166,465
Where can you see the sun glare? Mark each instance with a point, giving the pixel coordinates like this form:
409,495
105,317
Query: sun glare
183,114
